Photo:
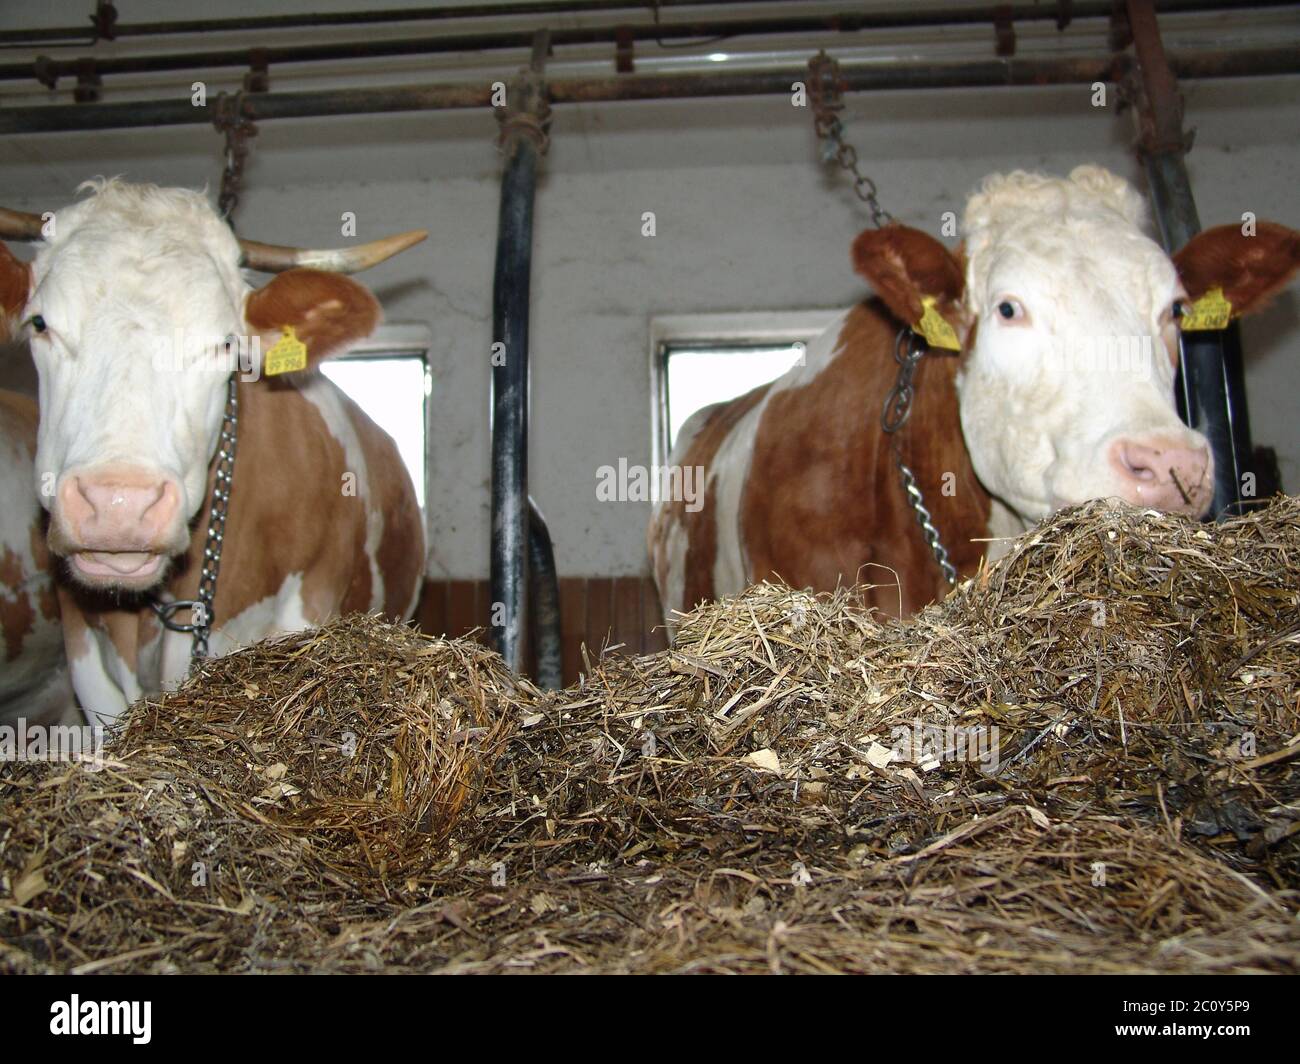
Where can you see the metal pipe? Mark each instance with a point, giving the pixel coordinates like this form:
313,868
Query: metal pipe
46,70
544,600
1081,9
508,579
984,73
352,18
1213,377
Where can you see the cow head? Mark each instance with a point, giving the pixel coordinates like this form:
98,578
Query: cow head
137,311
1067,317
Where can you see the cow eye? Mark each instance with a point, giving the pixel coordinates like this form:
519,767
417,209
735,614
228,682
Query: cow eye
37,323
1178,309
1011,310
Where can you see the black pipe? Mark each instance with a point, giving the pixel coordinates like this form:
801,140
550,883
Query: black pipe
509,582
1212,385
544,600
983,73
46,70
352,18
1213,375
523,125
1081,9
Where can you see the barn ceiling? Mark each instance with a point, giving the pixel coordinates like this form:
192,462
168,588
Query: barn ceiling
649,135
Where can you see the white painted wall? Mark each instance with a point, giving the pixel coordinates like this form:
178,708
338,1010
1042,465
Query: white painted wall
747,219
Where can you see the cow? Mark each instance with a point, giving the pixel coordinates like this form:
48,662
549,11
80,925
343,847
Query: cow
157,362
34,683
1044,378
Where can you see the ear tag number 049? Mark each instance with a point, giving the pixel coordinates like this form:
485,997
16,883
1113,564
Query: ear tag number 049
287,355
935,328
1211,311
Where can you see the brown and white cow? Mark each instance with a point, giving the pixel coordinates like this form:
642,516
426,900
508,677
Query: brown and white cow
129,304
1065,316
34,683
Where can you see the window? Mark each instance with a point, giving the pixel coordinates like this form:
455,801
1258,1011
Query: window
388,376
699,359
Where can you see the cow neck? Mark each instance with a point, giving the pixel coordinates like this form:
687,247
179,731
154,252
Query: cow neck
822,506
909,349
222,481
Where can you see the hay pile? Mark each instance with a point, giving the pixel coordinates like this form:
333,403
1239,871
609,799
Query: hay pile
741,803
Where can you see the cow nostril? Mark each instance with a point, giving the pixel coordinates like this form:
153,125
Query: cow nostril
1135,465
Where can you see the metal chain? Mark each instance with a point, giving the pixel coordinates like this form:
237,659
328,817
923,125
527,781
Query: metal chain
909,349
826,87
201,609
231,119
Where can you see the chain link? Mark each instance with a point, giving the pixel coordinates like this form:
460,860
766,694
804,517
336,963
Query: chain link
826,86
909,349
201,609
231,119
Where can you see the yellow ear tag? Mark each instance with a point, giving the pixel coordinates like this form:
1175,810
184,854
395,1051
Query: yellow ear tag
935,328
1211,311
287,355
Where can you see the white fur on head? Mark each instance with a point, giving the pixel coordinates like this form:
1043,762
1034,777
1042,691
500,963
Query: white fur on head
130,272
1008,201
1084,365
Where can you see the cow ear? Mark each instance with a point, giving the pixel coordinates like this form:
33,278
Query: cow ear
1249,269
906,266
15,289
326,311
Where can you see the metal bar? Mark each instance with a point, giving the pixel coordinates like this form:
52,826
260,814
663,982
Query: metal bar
46,69
544,600
63,118
1025,12
1213,377
508,579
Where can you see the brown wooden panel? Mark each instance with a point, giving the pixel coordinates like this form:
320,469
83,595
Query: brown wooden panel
462,608
600,613
594,610
573,624
431,611
652,617
627,613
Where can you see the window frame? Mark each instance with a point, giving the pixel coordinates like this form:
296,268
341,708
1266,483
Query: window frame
403,340
726,329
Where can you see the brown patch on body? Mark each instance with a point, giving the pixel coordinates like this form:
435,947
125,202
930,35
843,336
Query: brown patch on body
701,527
822,504
18,582
17,616
15,287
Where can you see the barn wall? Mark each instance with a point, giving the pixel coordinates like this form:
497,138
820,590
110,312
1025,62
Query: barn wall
746,219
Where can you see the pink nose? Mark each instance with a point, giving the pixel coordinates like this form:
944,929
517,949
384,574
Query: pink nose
1164,474
118,509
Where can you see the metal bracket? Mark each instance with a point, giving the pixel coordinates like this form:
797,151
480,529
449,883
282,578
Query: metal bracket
105,20
1005,30
624,42
88,82
527,111
258,78
46,71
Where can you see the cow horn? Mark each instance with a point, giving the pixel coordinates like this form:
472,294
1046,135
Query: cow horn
269,258
275,258
19,225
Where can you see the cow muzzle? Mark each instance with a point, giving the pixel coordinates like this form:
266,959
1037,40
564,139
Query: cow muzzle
1164,472
117,526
